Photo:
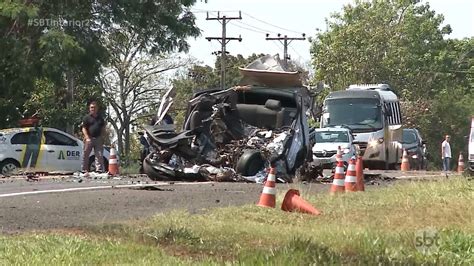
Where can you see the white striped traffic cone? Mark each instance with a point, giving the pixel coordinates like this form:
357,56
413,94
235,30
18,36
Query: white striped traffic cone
351,177
268,198
338,181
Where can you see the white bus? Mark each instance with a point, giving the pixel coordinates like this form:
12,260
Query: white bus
372,112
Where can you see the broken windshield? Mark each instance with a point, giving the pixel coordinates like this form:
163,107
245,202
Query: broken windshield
355,113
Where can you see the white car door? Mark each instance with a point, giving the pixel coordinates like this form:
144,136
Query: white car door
64,153
27,149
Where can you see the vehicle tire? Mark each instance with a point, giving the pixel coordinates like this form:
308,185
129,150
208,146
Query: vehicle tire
92,164
8,166
250,163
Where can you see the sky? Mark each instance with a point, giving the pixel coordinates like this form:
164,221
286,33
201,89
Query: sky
291,18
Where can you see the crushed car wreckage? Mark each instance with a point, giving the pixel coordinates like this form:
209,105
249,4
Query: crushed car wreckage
235,134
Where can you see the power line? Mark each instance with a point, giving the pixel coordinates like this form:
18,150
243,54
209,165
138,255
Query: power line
276,45
249,29
257,28
294,50
281,28
285,40
196,10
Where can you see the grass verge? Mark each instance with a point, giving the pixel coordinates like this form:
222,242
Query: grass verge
391,225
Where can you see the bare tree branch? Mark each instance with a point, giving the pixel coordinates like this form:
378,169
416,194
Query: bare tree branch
133,82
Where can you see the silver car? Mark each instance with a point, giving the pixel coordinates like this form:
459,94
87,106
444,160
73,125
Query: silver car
327,143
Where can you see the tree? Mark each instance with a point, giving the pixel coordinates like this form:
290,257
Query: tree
402,42
133,82
49,102
17,60
61,42
394,41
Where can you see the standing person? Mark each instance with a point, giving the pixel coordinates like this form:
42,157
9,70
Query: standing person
446,154
93,128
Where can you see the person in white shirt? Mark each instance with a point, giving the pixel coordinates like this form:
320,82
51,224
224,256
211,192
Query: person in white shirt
446,153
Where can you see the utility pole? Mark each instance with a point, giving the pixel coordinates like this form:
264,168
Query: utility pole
223,40
286,41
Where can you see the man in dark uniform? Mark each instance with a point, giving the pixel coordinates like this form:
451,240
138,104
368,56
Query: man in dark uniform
93,128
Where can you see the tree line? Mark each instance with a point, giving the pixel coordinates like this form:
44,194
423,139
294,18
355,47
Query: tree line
403,43
125,55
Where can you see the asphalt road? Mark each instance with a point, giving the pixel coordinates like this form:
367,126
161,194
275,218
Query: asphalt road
68,202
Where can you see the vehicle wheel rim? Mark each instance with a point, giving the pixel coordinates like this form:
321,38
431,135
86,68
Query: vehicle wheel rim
8,168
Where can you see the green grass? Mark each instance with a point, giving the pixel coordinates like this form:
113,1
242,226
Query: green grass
56,249
374,227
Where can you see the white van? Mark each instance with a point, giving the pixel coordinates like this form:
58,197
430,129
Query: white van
372,112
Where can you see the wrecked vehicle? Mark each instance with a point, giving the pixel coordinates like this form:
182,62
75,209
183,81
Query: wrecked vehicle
235,134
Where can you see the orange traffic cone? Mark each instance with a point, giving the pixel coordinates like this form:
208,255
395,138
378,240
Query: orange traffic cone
113,162
338,182
460,163
405,163
267,199
360,174
293,202
350,183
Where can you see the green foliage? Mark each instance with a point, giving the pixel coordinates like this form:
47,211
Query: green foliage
49,102
61,42
16,59
392,41
450,114
403,43
313,123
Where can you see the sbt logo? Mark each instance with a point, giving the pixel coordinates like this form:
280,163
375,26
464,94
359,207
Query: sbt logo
427,240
